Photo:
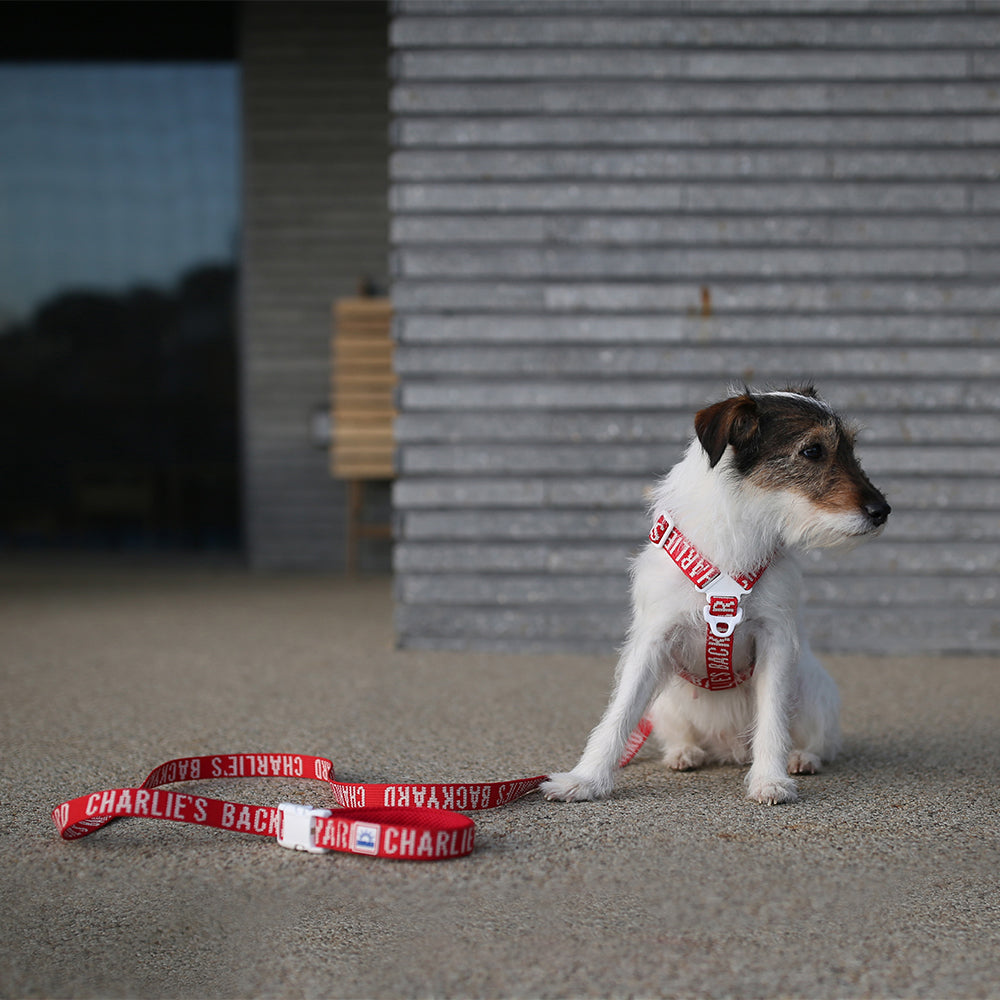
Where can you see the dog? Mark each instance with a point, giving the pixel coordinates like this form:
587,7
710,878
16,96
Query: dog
715,657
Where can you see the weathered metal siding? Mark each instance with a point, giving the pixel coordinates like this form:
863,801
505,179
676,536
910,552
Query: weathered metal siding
604,212
316,119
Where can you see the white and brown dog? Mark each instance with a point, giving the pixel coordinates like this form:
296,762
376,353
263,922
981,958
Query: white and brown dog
716,659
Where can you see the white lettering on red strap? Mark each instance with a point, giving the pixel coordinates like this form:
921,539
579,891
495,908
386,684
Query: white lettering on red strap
724,605
708,578
247,765
395,826
416,822
660,530
690,561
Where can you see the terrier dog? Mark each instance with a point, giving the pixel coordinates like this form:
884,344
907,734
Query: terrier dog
715,650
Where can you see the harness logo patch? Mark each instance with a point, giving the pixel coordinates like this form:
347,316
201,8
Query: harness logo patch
724,606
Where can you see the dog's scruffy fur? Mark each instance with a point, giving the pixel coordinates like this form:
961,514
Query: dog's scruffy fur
766,474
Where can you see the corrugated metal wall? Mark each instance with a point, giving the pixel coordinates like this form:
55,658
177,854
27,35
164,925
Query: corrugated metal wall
316,119
603,212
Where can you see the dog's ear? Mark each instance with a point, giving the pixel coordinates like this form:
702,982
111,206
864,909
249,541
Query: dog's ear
732,422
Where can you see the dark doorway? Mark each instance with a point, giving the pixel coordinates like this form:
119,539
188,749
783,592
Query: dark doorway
118,276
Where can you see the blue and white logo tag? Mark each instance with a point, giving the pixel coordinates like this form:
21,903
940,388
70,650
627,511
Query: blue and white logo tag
365,837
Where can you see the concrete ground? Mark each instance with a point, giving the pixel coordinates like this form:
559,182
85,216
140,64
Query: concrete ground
881,882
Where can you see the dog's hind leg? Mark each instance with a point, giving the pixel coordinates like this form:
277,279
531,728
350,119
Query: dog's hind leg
815,727
682,742
637,677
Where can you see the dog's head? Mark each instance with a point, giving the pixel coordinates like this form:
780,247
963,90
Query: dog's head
792,447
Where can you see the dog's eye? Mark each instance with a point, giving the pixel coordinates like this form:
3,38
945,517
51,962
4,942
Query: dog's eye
814,452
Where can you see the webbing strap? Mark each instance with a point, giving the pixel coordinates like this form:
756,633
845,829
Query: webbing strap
413,822
722,610
416,822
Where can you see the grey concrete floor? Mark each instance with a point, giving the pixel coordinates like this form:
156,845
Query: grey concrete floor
881,882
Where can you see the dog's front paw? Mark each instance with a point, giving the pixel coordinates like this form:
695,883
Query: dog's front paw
573,787
771,791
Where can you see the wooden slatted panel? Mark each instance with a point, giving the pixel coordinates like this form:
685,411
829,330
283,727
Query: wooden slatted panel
364,386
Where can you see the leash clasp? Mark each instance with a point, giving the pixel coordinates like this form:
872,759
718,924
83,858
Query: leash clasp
297,827
723,611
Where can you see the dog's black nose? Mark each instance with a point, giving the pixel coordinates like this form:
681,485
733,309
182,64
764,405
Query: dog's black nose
878,511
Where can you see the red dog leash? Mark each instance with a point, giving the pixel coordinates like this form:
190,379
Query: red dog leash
403,821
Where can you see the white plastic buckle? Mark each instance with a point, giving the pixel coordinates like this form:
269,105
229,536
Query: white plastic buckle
297,827
724,586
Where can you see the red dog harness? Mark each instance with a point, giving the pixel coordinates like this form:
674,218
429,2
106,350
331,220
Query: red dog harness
722,608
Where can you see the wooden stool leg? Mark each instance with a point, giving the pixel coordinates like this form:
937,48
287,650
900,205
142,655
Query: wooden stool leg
355,505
